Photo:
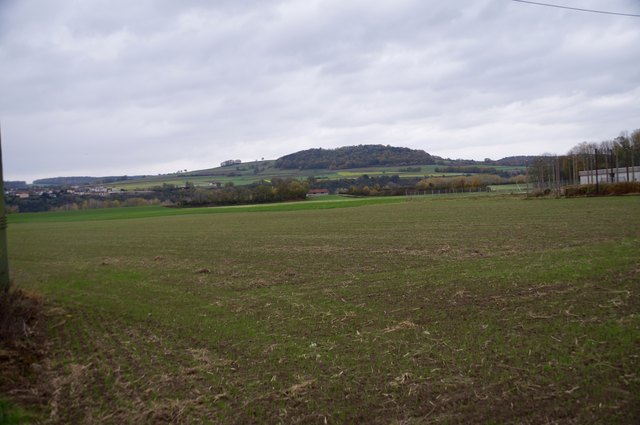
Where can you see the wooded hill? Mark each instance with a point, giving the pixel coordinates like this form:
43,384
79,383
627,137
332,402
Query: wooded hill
354,157
332,164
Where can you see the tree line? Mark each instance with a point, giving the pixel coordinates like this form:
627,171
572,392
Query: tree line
551,172
63,201
392,185
276,190
475,169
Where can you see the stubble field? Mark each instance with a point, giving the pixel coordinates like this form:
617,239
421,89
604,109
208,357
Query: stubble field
446,310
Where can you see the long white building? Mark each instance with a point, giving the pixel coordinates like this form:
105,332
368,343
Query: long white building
610,175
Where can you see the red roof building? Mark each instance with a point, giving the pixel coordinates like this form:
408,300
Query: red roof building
318,192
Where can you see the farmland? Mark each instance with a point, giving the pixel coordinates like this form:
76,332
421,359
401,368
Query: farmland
486,309
256,171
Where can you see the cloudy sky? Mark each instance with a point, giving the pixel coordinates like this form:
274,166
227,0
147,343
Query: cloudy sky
110,87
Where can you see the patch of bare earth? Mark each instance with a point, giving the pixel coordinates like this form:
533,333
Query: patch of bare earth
24,366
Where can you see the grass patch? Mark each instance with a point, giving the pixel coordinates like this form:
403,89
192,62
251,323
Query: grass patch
326,202
11,414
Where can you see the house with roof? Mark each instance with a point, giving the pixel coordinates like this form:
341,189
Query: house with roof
317,192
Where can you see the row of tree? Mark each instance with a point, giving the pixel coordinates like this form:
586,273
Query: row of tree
476,169
556,171
479,181
390,185
63,201
277,190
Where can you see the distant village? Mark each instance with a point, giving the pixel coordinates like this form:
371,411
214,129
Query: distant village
23,191
52,193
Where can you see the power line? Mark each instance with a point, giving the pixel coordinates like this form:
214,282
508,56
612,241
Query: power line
577,8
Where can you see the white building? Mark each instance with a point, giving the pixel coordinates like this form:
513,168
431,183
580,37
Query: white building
610,175
230,162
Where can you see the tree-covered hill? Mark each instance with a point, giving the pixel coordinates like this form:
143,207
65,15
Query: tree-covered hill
354,157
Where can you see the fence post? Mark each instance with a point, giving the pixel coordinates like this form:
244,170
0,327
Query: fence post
4,255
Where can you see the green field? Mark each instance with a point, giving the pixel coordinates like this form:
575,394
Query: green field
244,174
485,309
511,188
322,202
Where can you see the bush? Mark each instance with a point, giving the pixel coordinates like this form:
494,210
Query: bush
622,188
539,193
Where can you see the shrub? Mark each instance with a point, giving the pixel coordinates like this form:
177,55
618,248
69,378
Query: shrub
539,193
621,188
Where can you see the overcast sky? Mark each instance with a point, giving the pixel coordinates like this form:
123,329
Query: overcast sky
112,87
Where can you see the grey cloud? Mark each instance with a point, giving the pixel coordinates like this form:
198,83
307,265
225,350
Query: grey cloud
132,87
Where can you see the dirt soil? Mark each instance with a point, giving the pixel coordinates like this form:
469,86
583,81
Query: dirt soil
24,365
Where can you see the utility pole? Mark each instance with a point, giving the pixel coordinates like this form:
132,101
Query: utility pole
597,183
528,166
558,183
633,166
4,255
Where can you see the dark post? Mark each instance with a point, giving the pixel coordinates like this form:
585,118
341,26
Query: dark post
633,166
4,255
597,184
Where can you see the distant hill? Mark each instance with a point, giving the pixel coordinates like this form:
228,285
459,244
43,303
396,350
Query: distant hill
354,157
81,180
19,184
65,181
517,161
327,163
